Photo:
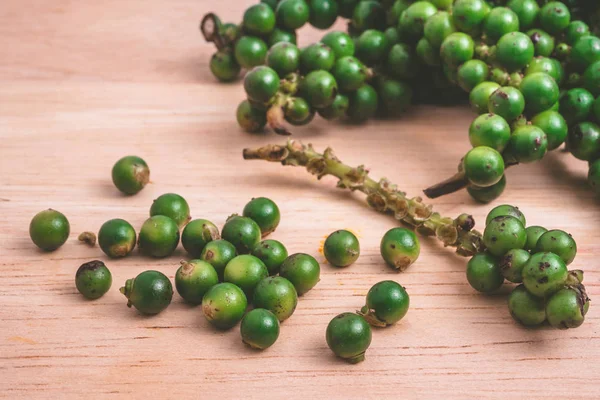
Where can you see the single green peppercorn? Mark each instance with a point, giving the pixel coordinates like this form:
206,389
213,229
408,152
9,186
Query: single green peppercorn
297,111
542,42
173,206
499,22
197,234
584,53
544,274
337,109
528,143
245,271
218,253
583,141
480,96
224,305
526,308
504,233
487,194
514,51
457,49
553,125
554,17
281,36
387,303
547,65
224,66
323,13
130,174
250,51
402,63
490,130
438,27
533,235
507,102
193,279
340,43
93,279
259,20
349,336
394,96
576,105
49,229
526,10
283,58
242,232
159,236
483,166
272,253
567,307
400,248
250,118
349,73
150,292
259,329
472,73
117,238
483,273
292,14
341,248
277,295
412,20
265,213
468,15
591,78
319,88
575,31
317,56
261,84
302,270
368,14
558,242
372,47
363,103
512,264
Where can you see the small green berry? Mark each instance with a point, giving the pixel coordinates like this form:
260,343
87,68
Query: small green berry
483,273
341,248
272,253
159,236
224,305
245,271
218,253
557,242
512,264
150,292
503,234
533,235
277,295
400,248
526,308
93,279
197,234
265,213
259,329
349,336
483,166
302,270
173,206
130,174
193,279
117,238
242,232
49,229
506,210
544,274
387,303
567,308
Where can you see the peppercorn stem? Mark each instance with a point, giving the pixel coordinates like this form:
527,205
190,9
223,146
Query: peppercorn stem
382,196
209,26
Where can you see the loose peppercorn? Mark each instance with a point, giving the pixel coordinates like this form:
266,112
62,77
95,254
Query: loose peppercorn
265,213
193,279
242,232
197,234
117,238
259,329
387,303
341,248
224,305
512,264
218,253
245,271
150,292
484,273
130,174
272,253
277,295
159,236
503,234
93,279
526,308
302,270
173,206
349,336
49,229
544,274
400,248
557,242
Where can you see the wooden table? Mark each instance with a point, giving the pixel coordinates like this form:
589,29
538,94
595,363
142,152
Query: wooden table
84,83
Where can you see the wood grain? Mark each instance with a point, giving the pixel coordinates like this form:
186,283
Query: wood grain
84,83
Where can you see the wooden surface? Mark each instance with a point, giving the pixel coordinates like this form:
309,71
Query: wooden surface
83,83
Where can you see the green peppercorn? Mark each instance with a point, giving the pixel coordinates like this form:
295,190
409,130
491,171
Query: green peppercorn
542,42
583,141
93,279
259,329
472,73
483,273
341,248
533,235
396,10
490,130
302,270
250,51
468,15
230,32
272,253
544,274
130,174
483,166
427,53
245,272
438,27
504,233
507,102
297,111
575,31
554,126
259,20
480,96
323,13
150,292
567,308
499,22
514,51
283,58
224,66
197,234
218,253
412,20
402,62
528,143
594,176
372,47
173,206
506,210
585,52
400,248
292,14
159,236
224,305
319,88
526,308
394,96
250,118
363,104
49,229
545,65
487,194
337,109
526,10
349,73
340,43
349,336
554,17
281,36
368,14
117,238
387,303
193,279
242,232
558,242
317,56
512,264
261,84
591,78
540,92
576,105
457,49
277,295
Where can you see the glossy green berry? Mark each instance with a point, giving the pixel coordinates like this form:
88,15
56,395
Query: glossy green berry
412,20
250,51
302,270
349,336
387,303
554,17
400,248
150,292
472,73
526,308
583,141
503,234
557,242
363,104
49,229
528,143
505,210
372,47
292,14
218,253
499,22
544,274
245,271
546,65
159,236
349,73
265,213
130,174
259,20
337,109
468,15
315,57
480,96
487,194
250,118
567,308
297,111
173,206
514,51
591,78
368,14
272,253
533,235
197,234
490,130
483,273
554,126
575,31
594,176
542,42
457,49
394,96
259,329
319,88
507,102
224,305
283,58
117,238
261,84
438,27
526,10
483,166
224,66
242,232
427,53
93,279
576,105
402,63
512,264
281,36
340,43
540,92
193,279
584,53
341,248
323,13
277,295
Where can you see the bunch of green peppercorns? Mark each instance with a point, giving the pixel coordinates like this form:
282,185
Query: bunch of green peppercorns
535,258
